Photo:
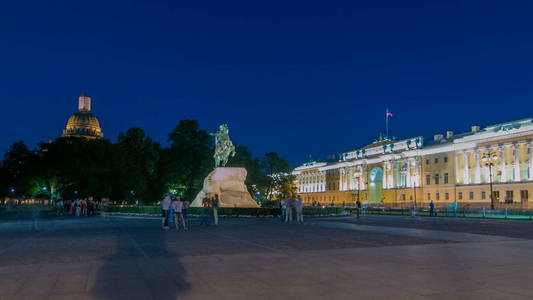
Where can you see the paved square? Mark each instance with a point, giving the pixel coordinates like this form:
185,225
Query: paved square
377,257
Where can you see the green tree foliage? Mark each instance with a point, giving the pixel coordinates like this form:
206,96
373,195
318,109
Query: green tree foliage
277,169
74,167
138,158
17,169
190,157
133,169
256,180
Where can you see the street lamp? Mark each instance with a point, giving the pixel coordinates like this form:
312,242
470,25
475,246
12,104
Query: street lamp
415,179
489,159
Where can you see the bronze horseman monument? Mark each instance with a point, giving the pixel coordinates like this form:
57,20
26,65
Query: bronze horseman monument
228,183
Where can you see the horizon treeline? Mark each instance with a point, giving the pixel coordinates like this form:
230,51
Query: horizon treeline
135,169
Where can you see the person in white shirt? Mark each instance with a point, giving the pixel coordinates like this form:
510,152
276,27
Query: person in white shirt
177,208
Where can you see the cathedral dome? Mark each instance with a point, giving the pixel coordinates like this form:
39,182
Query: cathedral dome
83,123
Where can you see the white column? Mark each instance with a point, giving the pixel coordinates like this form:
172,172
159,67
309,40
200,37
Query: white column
385,174
466,173
477,166
341,179
486,174
516,158
408,178
416,173
530,161
503,178
391,175
456,156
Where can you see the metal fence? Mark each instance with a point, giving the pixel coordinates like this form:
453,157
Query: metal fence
463,212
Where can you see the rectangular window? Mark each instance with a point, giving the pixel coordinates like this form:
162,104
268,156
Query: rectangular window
445,178
436,178
437,196
508,196
524,195
429,196
460,195
446,196
471,196
445,159
483,195
436,160
427,161
428,179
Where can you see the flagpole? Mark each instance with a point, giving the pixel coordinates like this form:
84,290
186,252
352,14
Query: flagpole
387,123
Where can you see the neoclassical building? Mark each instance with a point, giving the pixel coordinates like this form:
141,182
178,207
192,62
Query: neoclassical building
83,123
449,168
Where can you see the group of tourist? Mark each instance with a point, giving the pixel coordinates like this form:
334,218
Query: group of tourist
174,208
292,208
78,207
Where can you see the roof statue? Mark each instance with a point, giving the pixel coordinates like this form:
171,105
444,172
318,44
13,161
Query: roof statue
224,147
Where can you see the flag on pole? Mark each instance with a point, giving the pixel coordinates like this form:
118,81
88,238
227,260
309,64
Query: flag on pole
387,115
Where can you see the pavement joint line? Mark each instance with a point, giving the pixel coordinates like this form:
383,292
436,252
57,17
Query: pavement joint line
243,241
419,233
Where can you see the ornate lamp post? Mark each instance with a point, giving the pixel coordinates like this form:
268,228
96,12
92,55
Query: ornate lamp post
489,159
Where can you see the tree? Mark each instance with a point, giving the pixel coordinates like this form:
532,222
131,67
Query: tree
190,157
256,180
75,168
138,157
277,169
17,169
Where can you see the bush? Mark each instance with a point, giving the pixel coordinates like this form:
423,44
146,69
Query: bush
227,211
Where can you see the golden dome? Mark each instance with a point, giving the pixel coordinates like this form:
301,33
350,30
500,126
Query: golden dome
83,123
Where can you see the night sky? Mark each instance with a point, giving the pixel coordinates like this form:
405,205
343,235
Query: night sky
299,78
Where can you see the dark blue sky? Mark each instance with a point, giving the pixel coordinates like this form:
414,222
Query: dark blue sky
300,78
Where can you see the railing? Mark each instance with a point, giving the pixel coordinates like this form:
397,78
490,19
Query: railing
464,212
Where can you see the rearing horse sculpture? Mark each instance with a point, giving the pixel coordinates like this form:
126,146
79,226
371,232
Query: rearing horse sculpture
224,147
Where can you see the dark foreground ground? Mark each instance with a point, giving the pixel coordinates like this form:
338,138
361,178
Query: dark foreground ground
377,257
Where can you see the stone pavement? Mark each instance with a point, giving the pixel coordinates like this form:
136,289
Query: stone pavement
327,258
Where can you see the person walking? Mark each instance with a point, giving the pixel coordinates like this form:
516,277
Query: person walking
165,211
358,208
432,209
59,208
84,207
73,208
66,207
283,209
185,212
289,210
177,209
91,207
78,207
299,210
215,202
206,203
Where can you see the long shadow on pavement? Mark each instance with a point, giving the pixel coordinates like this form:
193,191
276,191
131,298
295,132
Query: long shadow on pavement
141,266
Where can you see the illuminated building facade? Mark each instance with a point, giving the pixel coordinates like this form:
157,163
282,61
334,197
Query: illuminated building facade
447,169
83,124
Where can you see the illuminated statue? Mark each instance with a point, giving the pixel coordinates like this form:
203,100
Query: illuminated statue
224,148
226,182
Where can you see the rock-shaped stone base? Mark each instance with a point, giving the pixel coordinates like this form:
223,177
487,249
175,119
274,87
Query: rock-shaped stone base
228,183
